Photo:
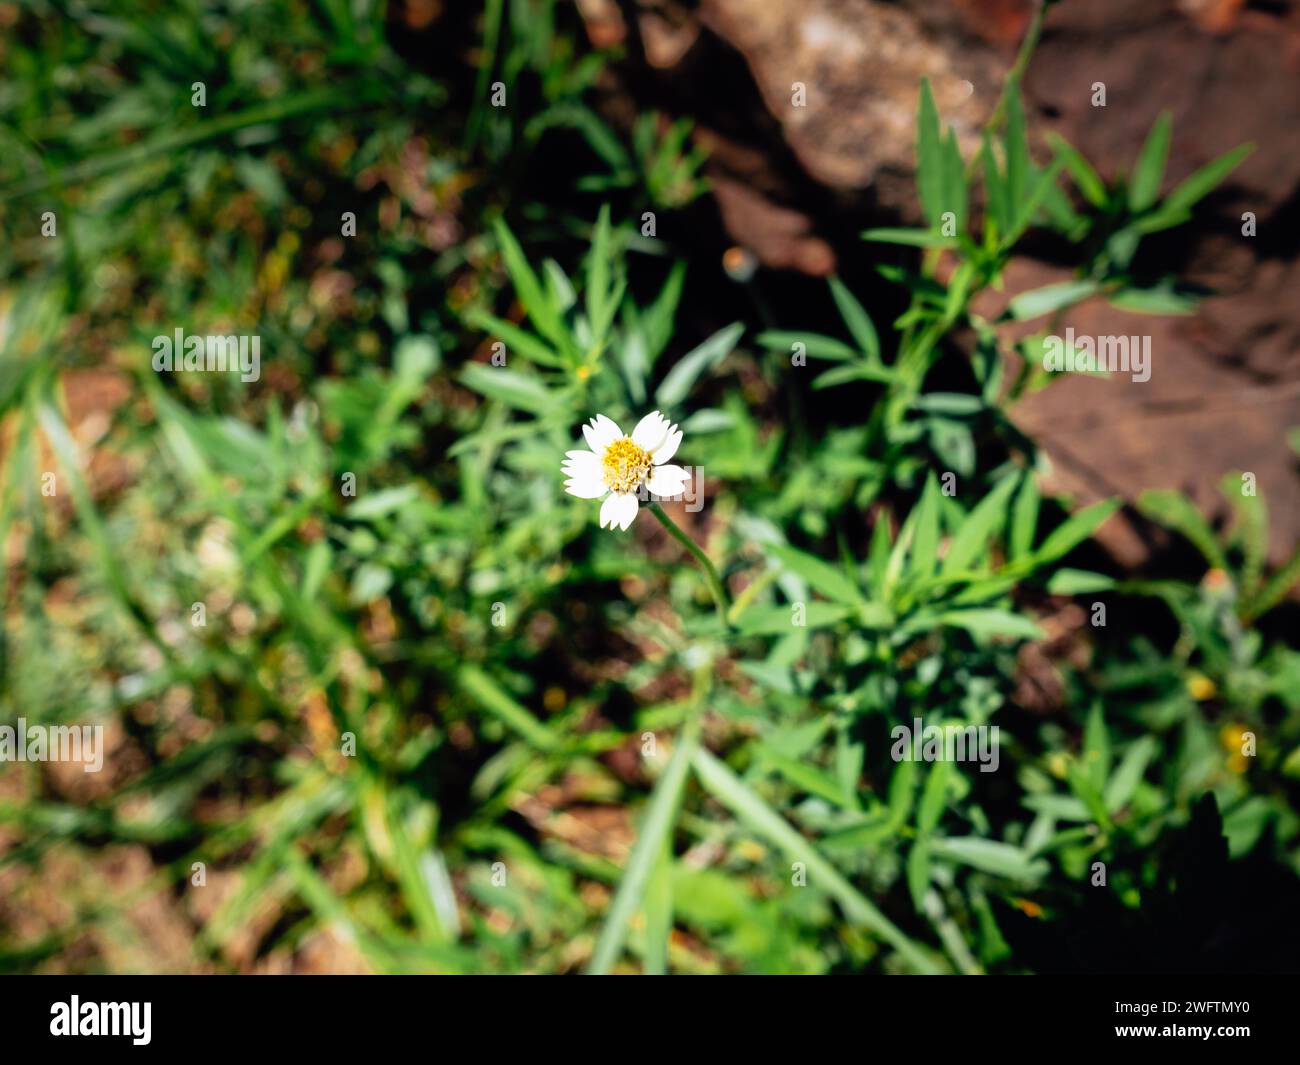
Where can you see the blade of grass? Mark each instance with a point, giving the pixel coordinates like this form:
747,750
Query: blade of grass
733,793
653,836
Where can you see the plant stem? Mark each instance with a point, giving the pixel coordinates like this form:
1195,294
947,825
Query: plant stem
710,573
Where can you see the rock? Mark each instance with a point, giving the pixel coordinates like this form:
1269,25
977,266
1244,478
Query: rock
861,65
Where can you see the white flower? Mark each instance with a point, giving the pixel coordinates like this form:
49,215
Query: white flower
622,465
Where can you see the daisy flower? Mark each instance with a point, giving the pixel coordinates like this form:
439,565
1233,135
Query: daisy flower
622,465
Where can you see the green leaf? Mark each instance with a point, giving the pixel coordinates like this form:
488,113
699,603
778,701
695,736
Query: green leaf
1096,748
934,798
1078,582
599,312
828,580
990,856
649,845
902,792
857,371
856,318
1015,147
815,345
1162,301
955,194
982,523
512,388
1205,180
1080,781
805,777
953,403
677,384
1024,517
990,622
1276,587
1175,511
1252,528
878,554
1074,530
1162,218
1089,182
658,909
1026,209
1049,298
1124,783
528,287
493,698
925,545
382,503
1150,166
657,320
916,238
995,188
746,804
918,873
929,156
778,620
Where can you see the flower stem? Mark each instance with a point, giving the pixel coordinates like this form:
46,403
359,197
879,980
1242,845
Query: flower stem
710,573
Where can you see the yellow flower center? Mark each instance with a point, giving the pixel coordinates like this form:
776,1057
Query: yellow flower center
625,465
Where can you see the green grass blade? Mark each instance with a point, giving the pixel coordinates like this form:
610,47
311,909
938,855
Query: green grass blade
630,895
733,793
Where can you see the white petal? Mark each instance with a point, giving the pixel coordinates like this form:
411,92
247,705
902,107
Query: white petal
585,476
651,431
668,448
667,480
601,433
618,511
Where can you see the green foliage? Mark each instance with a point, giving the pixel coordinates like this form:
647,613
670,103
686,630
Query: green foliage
564,759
